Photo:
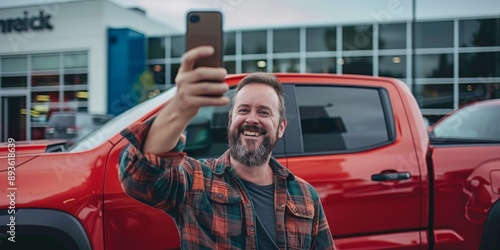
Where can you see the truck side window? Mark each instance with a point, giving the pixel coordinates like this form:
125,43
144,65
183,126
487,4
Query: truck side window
339,118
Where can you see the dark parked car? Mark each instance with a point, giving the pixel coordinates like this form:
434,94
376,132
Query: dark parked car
72,125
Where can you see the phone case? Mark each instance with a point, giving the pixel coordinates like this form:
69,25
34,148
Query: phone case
205,28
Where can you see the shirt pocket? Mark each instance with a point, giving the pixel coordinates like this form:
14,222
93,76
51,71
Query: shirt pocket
223,211
299,223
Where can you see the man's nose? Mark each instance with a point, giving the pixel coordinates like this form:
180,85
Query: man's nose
252,119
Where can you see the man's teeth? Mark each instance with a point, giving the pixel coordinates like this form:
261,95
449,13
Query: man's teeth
250,133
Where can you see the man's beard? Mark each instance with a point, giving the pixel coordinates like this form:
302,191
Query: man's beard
250,157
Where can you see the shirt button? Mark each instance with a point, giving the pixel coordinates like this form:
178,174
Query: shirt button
220,196
280,227
252,228
248,204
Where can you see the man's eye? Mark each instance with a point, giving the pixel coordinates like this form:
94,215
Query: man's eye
264,113
243,110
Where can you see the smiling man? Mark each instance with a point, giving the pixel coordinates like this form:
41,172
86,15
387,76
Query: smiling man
244,199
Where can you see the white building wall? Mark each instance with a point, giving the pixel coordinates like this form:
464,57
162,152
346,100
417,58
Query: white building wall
77,26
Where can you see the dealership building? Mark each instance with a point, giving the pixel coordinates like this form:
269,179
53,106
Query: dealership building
101,58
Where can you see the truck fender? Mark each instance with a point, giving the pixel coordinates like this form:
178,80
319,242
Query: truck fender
45,222
491,232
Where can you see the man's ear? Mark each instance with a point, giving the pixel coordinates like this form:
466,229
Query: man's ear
281,128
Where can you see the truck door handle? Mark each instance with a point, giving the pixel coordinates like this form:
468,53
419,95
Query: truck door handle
391,176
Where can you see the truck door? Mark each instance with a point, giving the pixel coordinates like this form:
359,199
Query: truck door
352,142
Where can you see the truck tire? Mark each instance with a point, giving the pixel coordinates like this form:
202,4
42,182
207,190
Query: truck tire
491,232
41,229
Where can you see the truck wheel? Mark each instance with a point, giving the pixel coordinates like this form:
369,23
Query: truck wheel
491,231
42,229
31,242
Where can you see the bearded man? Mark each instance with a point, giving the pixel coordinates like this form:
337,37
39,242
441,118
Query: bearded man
244,199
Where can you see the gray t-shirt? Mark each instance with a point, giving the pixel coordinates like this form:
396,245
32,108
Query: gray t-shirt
263,200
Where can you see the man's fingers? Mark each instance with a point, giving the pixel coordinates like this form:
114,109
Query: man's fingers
190,57
202,86
208,89
202,74
202,101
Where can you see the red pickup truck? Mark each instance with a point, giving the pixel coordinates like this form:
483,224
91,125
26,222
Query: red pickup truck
360,141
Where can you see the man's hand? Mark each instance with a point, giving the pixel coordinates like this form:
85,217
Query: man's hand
196,88
201,86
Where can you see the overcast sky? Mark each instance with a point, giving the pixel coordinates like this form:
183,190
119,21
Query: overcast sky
248,14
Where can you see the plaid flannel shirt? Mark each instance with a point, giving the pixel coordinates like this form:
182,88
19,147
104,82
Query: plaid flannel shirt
210,204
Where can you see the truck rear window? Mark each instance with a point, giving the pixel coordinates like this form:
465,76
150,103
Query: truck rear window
340,118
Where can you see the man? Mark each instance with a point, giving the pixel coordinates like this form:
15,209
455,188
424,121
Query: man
243,200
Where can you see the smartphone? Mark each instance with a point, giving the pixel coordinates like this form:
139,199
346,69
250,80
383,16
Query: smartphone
205,28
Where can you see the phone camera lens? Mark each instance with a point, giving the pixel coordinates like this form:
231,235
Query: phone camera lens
194,18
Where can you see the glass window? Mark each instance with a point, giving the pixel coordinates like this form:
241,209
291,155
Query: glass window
286,40
321,65
435,96
40,112
321,39
249,66
392,36
482,64
156,47
75,100
434,66
470,123
230,67
14,64
79,60
357,37
48,80
75,79
178,46
45,97
44,62
473,92
206,134
481,32
434,34
341,118
286,65
174,68
254,42
357,65
392,66
230,43
76,96
43,104
14,82
157,73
